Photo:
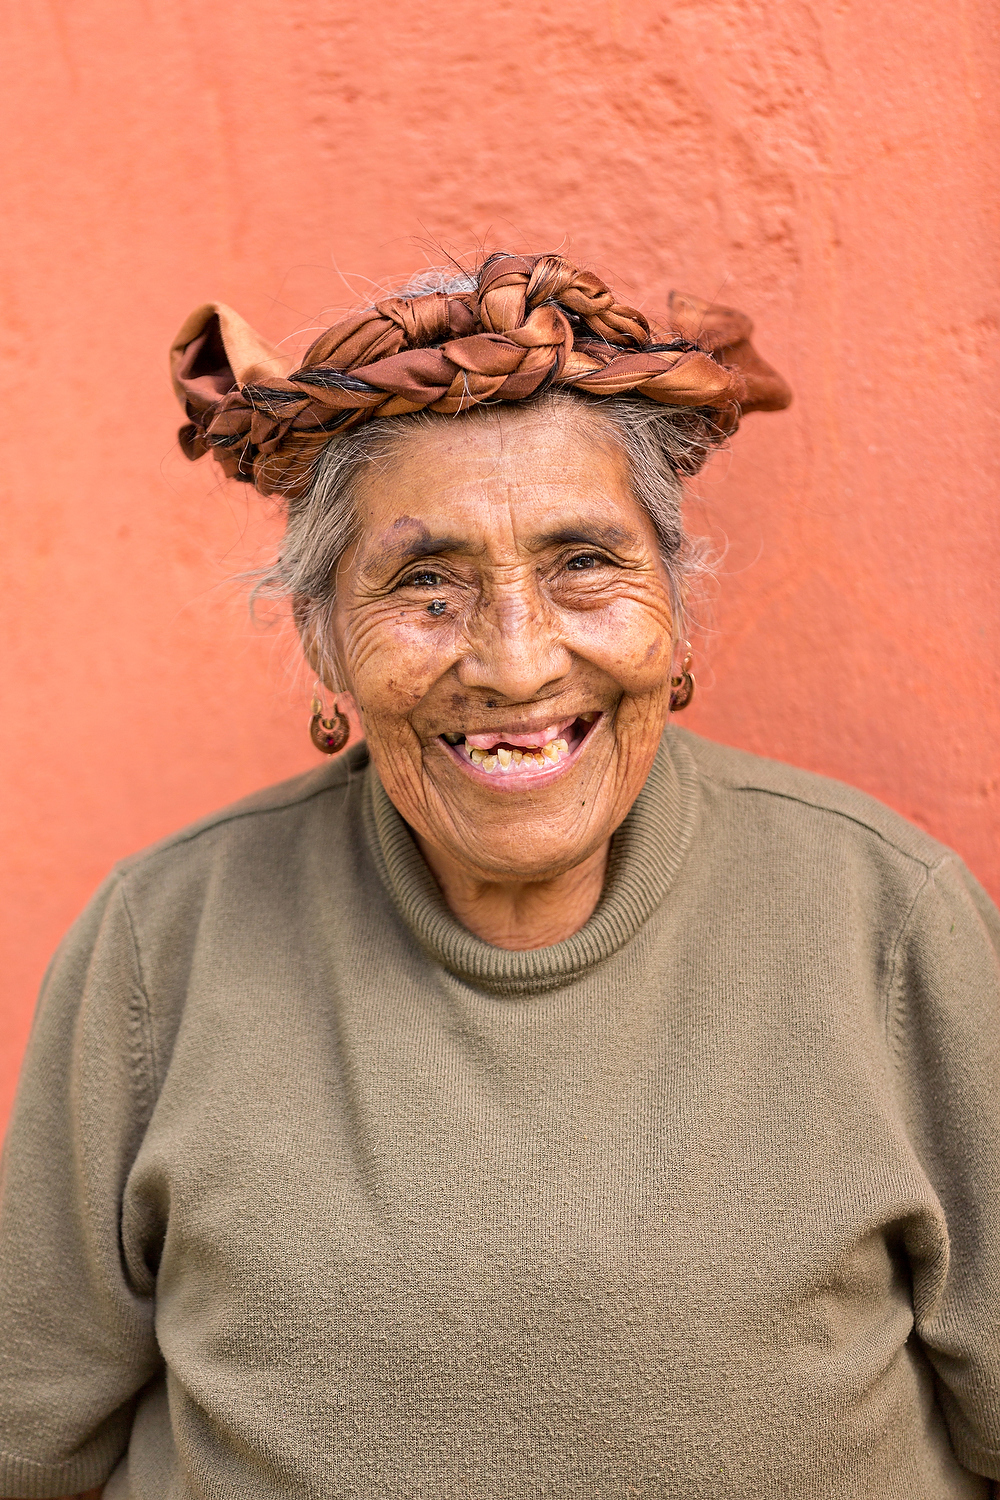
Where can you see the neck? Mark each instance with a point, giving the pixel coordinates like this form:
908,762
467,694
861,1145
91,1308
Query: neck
520,914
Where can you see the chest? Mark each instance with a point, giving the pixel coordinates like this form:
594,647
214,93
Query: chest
424,1162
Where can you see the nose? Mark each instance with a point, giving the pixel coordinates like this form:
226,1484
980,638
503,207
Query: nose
514,647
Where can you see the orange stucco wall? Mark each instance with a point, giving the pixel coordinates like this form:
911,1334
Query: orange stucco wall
831,167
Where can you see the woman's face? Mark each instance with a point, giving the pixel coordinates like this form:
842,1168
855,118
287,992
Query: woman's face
504,625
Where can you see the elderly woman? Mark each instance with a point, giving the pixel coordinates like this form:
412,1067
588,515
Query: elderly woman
537,1100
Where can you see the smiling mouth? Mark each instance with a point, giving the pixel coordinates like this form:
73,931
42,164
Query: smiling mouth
508,755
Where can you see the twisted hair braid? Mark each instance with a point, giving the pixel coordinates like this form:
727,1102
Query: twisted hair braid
529,324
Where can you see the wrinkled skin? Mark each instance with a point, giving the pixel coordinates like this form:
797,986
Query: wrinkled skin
552,602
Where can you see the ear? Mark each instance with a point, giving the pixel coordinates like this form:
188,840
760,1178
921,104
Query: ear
319,652
311,648
216,352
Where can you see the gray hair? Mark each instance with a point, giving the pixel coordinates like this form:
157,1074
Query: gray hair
660,444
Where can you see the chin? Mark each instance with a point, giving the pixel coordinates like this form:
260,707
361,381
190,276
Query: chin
519,853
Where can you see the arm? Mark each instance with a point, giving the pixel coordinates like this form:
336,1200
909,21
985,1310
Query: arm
76,1331
944,1031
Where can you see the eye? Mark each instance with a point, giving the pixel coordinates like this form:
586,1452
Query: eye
585,560
423,578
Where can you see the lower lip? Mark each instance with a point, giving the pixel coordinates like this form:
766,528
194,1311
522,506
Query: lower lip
512,781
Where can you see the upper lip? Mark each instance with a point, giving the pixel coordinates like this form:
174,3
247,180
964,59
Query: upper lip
551,727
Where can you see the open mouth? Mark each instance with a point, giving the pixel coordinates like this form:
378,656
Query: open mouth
508,755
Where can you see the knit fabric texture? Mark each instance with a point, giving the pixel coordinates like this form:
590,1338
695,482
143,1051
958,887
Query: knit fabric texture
309,1192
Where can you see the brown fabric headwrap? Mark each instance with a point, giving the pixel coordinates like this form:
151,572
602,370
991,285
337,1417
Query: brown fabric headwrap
532,322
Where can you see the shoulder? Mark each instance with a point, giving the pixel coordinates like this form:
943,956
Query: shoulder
256,825
762,789
237,889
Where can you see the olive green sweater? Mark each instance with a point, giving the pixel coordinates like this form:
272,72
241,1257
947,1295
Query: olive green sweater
310,1193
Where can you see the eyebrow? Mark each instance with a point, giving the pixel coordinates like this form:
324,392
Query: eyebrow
430,546
425,545
390,549
571,536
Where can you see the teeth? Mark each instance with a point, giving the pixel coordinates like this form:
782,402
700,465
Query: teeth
588,718
508,760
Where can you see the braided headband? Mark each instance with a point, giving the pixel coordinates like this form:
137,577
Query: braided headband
531,323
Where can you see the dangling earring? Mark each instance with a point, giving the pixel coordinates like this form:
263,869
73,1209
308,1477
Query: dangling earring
682,687
328,735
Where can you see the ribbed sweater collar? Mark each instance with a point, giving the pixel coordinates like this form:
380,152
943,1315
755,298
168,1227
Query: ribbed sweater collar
646,854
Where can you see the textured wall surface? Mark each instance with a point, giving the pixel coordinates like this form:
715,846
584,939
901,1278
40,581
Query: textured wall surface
823,166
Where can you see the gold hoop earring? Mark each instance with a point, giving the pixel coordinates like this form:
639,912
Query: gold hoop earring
682,687
328,735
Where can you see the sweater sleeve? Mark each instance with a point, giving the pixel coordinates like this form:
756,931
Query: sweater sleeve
76,1336
944,1023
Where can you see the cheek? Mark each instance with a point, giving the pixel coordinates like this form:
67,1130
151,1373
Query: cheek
631,640
392,655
